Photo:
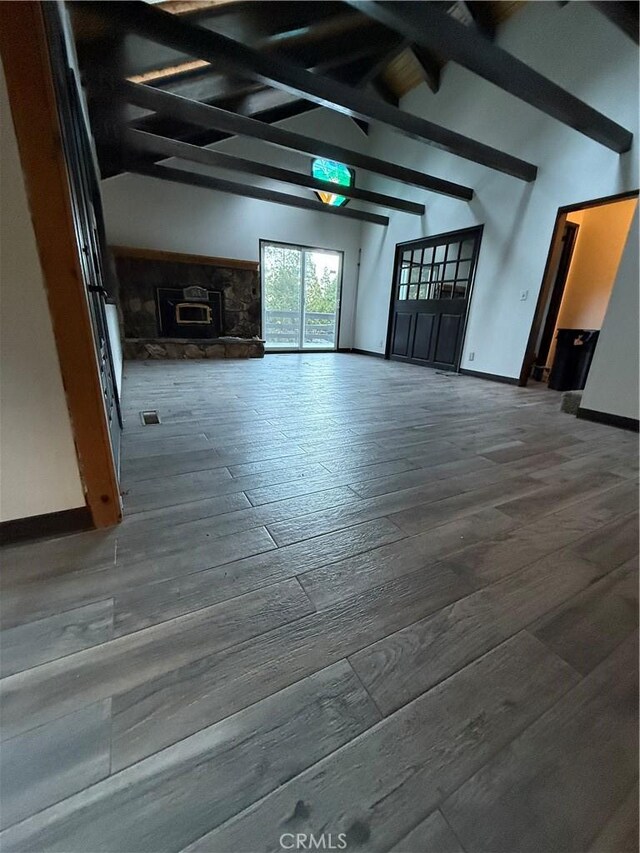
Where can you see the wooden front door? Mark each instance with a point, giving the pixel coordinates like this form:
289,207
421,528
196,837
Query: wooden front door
430,298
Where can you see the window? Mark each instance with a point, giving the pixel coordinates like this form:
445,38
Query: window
334,173
441,268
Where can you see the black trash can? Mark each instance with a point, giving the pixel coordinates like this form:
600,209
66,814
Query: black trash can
572,360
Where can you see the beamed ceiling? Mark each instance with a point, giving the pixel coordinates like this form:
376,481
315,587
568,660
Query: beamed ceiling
170,78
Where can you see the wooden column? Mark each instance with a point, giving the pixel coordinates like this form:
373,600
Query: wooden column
26,61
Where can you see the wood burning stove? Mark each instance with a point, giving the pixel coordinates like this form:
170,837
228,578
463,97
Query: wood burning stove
190,312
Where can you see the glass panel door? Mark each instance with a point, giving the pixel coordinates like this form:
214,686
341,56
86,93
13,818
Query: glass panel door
282,296
301,294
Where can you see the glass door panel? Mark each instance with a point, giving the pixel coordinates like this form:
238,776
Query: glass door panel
321,282
301,294
282,296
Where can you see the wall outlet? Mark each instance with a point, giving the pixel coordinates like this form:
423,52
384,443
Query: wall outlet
472,355
524,295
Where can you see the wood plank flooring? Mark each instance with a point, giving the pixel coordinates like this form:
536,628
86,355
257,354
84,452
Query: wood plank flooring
348,596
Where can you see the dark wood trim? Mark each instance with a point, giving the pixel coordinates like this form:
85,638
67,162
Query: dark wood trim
138,140
598,202
196,179
610,420
493,377
543,295
41,526
546,284
430,26
205,115
279,73
356,351
180,258
569,237
27,65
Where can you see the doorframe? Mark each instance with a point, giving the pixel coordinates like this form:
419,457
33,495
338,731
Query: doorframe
26,59
548,281
554,303
400,248
302,247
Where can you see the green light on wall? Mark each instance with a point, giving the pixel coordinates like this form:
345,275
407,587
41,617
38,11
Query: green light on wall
334,173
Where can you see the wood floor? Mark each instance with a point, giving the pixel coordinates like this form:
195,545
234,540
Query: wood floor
349,596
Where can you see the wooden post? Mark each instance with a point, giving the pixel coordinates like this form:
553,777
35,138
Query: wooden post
25,57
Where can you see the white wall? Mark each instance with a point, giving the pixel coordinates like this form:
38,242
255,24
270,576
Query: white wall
577,48
153,214
612,384
38,464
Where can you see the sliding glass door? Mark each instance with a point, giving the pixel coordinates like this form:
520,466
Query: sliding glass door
300,297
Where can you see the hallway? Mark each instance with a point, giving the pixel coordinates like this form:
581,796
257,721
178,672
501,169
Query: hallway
348,596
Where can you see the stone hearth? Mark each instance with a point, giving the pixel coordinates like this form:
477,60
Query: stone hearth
160,348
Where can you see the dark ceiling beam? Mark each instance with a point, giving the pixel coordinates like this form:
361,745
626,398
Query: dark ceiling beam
234,57
138,141
482,15
430,66
384,91
430,26
361,78
395,48
182,176
265,26
251,98
192,112
623,14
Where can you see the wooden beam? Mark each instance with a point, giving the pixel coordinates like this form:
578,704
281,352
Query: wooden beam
137,141
623,14
428,25
26,60
430,66
235,57
181,258
193,112
194,179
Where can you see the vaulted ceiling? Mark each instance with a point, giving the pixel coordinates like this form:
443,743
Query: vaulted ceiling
229,61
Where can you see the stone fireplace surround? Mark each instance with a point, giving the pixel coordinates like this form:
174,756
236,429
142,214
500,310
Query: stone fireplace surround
143,272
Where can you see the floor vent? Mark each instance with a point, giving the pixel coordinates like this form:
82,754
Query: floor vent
148,418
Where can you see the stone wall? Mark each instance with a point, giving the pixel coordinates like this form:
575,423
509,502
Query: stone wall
160,348
141,276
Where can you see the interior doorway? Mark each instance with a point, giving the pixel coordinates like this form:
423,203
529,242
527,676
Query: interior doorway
582,263
300,297
430,298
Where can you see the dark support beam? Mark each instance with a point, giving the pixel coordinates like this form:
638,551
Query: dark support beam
430,66
193,112
623,14
385,91
482,16
361,125
181,176
234,57
428,25
138,141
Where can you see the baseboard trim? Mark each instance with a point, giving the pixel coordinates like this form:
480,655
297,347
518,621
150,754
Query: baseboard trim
367,352
50,524
492,377
610,420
